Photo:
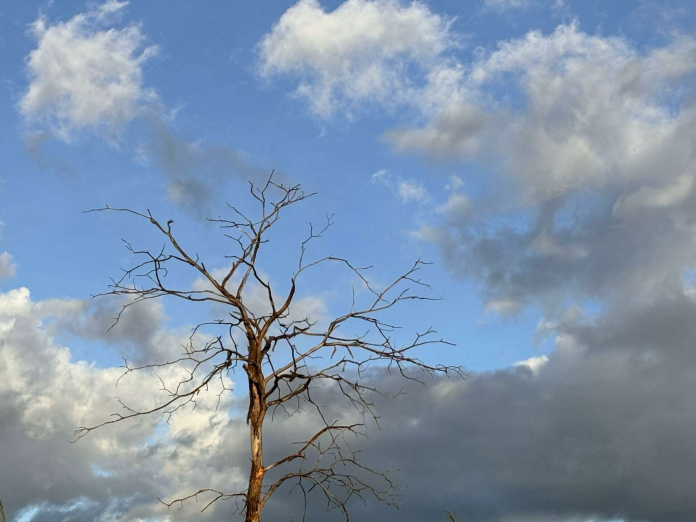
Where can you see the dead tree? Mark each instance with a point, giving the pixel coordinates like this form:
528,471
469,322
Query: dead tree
283,357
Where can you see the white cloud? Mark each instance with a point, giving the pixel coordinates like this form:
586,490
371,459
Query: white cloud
406,190
86,75
596,110
109,8
381,176
108,475
587,146
411,190
360,53
533,363
455,183
7,267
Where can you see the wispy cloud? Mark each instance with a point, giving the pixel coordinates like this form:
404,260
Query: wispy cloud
406,190
7,267
196,171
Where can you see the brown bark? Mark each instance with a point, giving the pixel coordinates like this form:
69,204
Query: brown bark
255,417
254,505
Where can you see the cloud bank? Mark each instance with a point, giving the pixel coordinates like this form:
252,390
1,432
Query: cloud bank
117,474
601,429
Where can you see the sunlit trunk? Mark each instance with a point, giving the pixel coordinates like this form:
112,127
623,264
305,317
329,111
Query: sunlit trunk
253,511
257,410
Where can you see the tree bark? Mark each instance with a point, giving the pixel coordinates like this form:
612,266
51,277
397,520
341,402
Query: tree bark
257,411
254,507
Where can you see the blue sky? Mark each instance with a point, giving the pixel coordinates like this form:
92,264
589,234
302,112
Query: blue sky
207,72
539,152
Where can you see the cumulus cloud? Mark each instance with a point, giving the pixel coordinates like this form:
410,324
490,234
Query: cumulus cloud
533,363
7,267
598,152
596,110
86,74
117,473
359,54
593,172
601,428
114,474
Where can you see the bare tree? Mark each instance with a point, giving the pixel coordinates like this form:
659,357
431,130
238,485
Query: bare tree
283,357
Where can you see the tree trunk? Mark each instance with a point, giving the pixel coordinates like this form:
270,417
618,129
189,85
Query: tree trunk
257,411
254,507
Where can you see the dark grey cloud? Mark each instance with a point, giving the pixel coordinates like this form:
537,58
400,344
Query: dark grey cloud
602,431
605,253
